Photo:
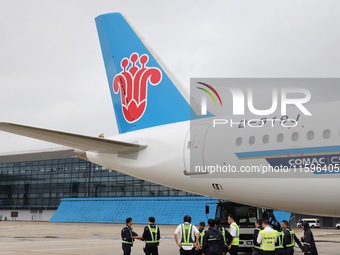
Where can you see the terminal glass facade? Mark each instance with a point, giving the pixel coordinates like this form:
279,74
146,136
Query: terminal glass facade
43,183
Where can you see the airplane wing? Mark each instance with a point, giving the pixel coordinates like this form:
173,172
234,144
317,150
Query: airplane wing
82,142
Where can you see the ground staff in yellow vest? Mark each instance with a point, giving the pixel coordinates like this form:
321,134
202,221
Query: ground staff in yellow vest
151,236
267,239
227,238
258,228
201,229
128,237
186,236
279,250
235,233
290,239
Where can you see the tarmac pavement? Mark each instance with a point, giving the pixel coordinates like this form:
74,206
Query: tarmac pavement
28,238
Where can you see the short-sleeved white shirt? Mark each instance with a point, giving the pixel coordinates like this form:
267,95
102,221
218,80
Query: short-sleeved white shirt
233,230
194,232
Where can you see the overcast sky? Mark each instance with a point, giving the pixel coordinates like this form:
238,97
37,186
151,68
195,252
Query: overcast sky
52,73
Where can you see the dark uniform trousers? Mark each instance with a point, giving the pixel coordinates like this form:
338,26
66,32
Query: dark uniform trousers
126,249
280,251
233,250
256,252
184,252
151,249
289,251
198,252
213,253
267,253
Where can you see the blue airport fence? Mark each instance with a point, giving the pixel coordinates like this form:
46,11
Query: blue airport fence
166,210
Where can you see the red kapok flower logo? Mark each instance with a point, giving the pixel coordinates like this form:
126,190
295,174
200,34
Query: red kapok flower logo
133,85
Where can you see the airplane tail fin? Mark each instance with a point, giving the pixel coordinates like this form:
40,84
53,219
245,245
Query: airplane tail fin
143,93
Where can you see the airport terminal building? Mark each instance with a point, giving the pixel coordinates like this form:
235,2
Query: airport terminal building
33,184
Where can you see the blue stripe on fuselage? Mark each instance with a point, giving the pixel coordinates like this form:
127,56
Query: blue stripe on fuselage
289,152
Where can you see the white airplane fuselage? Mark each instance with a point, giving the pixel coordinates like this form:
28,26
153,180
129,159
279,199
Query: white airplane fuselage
166,161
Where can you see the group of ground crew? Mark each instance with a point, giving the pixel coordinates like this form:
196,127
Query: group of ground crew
151,237
280,240
217,240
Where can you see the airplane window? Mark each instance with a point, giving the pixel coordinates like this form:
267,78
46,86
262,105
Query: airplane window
310,135
238,141
295,136
326,133
265,139
279,138
252,139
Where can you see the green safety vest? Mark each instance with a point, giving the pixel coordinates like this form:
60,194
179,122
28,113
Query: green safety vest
200,241
223,235
292,238
236,239
268,240
279,241
128,242
153,233
256,246
186,235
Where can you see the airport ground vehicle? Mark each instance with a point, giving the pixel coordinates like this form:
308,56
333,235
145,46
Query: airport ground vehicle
313,223
337,225
246,217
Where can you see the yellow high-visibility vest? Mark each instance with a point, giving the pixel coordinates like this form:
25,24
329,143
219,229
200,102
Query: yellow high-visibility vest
236,239
279,241
123,239
255,244
153,233
187,235
292,239
200,240
268,240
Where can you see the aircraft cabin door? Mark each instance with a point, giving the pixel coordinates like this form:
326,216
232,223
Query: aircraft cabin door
194,149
